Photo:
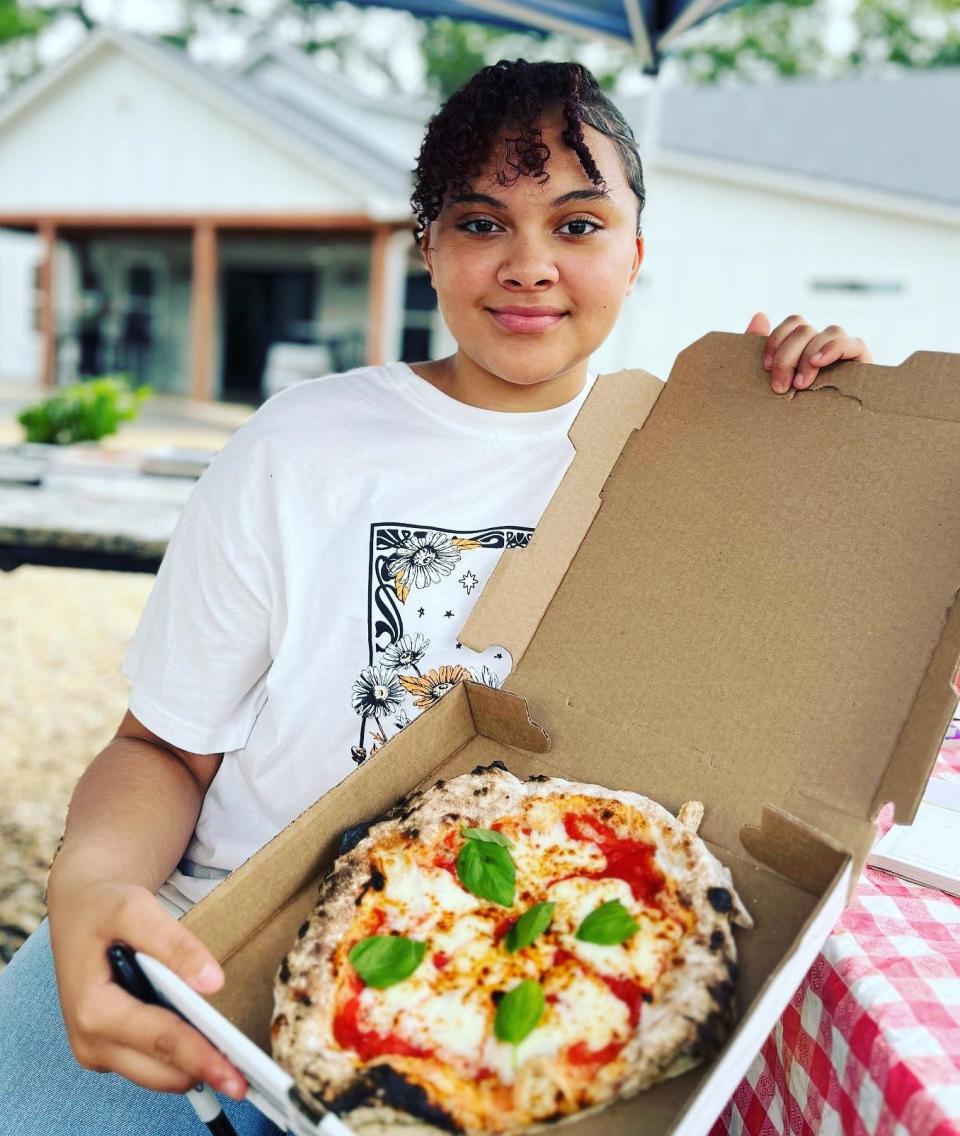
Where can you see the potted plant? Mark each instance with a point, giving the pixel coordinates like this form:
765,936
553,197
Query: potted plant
83,412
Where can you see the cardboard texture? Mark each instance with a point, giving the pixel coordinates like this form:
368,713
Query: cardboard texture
737,597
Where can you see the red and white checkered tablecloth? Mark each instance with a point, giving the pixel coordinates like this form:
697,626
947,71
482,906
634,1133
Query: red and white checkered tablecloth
870,1042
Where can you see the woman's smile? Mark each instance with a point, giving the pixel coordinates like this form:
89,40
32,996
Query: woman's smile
512,319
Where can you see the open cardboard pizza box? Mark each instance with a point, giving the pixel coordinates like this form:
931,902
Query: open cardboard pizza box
736,597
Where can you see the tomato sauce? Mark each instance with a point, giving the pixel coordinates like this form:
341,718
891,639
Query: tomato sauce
629,992
502,929
627,859
580,1055
379,919
446,856
440,960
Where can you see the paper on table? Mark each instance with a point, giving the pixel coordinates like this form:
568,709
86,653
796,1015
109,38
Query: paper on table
927,851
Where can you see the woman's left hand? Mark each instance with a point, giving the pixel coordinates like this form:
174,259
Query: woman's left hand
795,351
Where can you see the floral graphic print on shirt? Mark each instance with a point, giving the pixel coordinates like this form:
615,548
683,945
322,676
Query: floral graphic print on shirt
422,584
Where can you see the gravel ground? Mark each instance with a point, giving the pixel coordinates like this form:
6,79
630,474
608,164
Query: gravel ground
65,631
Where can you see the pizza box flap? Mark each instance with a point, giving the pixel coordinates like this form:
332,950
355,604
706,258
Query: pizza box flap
747,598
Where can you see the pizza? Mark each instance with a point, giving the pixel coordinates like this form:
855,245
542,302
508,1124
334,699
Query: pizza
495,954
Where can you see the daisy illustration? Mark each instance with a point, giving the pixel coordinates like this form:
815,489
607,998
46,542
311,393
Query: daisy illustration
375,693
425,559
431,687
485,676
407,652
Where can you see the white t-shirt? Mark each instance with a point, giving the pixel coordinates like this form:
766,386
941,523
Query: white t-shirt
310,599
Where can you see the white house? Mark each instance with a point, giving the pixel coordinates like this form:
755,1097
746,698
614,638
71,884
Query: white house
186,219
181,219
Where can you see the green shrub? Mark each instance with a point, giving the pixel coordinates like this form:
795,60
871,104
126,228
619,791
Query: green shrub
83,412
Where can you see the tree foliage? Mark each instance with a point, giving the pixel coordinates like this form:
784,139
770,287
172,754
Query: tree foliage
760,39
456,49
765,39
908,33
18,23
453,50
752,41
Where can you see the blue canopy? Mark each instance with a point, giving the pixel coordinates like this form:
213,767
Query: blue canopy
648,25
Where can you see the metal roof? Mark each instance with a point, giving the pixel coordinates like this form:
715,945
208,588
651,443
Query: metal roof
898,134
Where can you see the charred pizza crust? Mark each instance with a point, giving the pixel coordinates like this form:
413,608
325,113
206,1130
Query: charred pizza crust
687,1015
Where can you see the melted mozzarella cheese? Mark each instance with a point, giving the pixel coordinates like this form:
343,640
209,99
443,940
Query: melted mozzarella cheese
456,1024
547,853
415,894
641,957
588,1011
381,1009
465,941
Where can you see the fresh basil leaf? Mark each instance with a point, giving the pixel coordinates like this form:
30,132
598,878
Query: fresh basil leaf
608,925
519,1012
488,871
530,924
385,960
488,835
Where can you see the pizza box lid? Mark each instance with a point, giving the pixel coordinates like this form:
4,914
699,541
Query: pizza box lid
747,598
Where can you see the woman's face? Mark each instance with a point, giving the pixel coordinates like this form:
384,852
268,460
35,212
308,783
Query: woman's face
523,246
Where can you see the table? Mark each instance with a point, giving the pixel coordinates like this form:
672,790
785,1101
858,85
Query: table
870,1042
90,509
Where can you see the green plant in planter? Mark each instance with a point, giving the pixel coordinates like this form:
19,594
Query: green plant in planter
83,412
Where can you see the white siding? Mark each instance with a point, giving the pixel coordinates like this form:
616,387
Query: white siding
716,253
117,136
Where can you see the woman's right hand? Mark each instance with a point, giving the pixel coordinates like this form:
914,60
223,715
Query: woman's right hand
109,1030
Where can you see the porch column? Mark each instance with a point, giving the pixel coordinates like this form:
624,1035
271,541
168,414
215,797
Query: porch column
203,311
46,314
399,245
378,306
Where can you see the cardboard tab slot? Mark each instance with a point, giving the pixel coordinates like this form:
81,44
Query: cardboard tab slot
497,713
793,849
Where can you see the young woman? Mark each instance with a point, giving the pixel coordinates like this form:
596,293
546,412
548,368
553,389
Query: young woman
309,602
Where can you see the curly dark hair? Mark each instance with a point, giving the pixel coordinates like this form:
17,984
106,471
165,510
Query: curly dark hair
515,95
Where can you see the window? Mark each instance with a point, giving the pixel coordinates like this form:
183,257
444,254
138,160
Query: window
862,287
420,302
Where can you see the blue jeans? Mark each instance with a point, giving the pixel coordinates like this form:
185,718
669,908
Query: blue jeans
44,1092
